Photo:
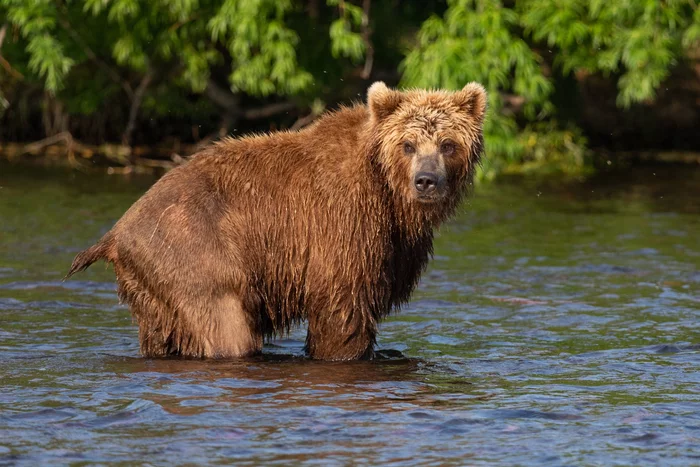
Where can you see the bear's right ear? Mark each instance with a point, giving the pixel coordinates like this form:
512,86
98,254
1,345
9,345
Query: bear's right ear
472,100
382,101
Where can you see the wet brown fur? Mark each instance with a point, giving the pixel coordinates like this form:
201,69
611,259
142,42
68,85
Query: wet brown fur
254,235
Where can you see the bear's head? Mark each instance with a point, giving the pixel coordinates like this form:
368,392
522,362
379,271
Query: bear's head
428,142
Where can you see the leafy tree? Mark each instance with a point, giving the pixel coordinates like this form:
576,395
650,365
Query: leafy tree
119,68
636,42
639,40
164,40
477,40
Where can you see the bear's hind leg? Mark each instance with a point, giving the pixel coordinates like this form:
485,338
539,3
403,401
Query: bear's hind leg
155,341
220,330
161,332
230,330
158,324
214,328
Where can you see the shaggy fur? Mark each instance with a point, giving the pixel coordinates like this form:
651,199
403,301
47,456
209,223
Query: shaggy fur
254,235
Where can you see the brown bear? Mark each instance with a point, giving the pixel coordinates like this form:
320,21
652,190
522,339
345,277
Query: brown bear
332,224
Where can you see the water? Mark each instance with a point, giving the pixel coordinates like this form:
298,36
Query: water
557,325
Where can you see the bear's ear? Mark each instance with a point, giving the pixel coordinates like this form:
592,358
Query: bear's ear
382,101
472,100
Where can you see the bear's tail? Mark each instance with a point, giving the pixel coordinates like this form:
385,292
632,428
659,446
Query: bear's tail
85,258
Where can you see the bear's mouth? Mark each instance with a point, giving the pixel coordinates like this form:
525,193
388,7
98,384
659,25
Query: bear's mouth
429,199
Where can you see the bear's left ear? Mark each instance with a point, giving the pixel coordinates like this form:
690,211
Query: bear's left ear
382,101
472,100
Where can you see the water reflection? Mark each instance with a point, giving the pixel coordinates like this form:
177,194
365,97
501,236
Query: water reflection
285,381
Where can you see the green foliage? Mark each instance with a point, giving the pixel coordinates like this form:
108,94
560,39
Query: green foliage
48,61
101,56
691,37
636,41
176,38
477,41
261,46
549,148
37,23
345,42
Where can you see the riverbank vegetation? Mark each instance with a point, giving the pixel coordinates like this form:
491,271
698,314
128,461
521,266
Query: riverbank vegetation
141,84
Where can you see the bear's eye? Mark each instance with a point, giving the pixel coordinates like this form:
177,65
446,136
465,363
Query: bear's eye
408,148
447,148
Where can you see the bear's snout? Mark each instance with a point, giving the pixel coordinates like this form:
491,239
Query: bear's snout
426,183
429,177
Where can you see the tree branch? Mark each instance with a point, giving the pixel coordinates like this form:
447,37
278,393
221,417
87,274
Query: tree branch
269,110
136,105
5,64
304,121
313,9
221,96
230,103
366,33
94,58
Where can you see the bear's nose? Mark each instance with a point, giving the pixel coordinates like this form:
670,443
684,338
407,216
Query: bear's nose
425,182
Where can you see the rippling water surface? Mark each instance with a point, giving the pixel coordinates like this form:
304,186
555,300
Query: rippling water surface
557,325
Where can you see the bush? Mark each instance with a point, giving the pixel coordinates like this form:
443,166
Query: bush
209,61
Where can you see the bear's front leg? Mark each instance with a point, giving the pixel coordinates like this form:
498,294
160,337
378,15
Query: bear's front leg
340,334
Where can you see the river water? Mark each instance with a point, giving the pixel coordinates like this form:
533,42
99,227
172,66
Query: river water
557,325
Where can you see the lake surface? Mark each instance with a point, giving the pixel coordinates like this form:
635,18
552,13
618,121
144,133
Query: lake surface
557,325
